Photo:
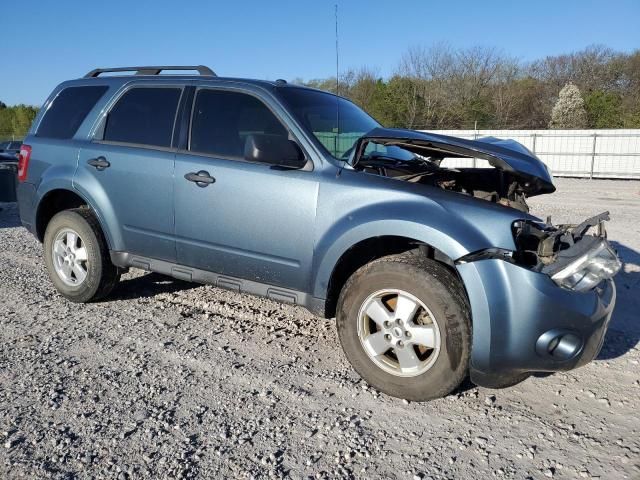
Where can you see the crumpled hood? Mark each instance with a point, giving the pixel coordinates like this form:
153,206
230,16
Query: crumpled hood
507,155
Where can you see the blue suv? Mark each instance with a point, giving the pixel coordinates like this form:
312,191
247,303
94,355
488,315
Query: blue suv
295,194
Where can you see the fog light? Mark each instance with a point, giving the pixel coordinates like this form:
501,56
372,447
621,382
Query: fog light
561,345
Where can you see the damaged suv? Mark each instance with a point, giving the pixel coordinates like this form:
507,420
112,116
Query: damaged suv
432,272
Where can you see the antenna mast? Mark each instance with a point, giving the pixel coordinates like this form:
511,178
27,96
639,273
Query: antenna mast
336,138
337,56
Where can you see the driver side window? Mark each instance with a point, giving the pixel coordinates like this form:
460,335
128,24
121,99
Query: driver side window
222,121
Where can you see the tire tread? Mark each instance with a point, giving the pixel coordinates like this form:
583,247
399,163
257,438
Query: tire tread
415,258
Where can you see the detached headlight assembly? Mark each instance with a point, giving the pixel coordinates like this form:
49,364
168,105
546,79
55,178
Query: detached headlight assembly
590,269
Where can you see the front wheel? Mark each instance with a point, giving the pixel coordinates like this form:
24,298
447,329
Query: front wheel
404,324
77,256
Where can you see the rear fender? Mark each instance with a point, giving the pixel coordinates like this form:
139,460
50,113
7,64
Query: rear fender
97,198
59,178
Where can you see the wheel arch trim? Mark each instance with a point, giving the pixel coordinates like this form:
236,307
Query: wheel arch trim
420,233
55,185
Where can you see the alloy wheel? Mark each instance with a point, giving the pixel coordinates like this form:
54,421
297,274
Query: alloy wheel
69,256
398,332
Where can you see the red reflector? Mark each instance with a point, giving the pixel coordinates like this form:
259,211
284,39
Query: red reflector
23,162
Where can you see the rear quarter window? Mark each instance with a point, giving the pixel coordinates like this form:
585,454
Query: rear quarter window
68,110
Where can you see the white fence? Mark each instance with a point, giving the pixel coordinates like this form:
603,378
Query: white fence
570,153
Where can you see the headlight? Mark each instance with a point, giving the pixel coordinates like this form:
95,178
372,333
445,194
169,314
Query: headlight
590,269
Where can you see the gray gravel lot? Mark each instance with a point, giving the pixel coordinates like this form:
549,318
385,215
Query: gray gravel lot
168,379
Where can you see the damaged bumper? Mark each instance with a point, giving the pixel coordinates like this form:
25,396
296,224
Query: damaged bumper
524,322
546,317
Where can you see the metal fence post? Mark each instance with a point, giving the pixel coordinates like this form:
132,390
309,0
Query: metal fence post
533,142
475,137
593,156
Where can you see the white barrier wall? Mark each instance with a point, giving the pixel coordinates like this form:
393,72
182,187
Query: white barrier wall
570,153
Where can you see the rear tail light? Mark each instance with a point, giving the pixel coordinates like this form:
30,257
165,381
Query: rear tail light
23,162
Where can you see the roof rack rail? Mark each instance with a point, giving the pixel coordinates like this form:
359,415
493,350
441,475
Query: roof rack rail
152,70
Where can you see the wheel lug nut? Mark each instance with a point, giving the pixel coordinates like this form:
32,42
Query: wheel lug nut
387,324
399,321
387,337
401,344
407,334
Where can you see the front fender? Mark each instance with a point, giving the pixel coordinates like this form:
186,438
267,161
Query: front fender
422,220
401,228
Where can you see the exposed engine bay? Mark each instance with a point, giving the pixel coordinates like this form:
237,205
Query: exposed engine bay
489,184
417,157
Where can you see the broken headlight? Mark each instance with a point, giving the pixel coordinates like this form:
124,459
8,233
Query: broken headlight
590,269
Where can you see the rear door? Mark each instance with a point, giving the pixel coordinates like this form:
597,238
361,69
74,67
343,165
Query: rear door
255,221
130,164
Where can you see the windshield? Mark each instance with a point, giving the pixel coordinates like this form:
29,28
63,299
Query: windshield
319,113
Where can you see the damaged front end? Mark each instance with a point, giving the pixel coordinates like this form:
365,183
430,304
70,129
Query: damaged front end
417,157
572,257
544,305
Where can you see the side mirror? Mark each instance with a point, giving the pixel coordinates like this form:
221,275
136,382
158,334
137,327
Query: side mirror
274,150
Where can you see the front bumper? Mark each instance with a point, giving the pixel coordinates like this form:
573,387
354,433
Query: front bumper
520,315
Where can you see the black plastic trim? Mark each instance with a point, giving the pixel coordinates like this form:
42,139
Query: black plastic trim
152,70
181,130
488,253
191,274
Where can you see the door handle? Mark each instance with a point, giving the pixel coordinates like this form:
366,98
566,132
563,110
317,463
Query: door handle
100,163
201,178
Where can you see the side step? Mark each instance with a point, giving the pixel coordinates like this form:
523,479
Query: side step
190,274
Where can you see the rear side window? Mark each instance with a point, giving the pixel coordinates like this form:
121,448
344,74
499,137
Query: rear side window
222,121
143,116
68,111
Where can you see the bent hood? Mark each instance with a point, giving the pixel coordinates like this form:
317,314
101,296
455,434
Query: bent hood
506,155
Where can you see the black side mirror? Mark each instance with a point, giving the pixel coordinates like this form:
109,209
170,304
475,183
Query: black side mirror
274,150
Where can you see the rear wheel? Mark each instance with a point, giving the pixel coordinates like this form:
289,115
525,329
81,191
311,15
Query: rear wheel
77,256
404,325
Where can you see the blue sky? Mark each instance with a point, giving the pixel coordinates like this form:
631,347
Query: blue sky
47,42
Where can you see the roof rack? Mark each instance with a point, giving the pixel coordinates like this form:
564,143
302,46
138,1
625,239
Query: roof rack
152,70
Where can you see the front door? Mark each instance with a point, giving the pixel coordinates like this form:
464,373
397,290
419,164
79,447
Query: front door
254,221
131,166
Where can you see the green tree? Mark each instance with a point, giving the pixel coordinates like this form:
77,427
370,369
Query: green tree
604,109
15,121
443,87
23,118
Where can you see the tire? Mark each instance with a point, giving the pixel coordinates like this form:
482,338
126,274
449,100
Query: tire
443,313
101,276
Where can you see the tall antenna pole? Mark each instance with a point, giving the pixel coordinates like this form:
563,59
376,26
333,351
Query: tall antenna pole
335,142
337,56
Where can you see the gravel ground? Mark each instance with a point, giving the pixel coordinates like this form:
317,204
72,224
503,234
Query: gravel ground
168,379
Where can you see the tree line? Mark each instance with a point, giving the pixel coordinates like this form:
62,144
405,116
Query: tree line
441,87
15,121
